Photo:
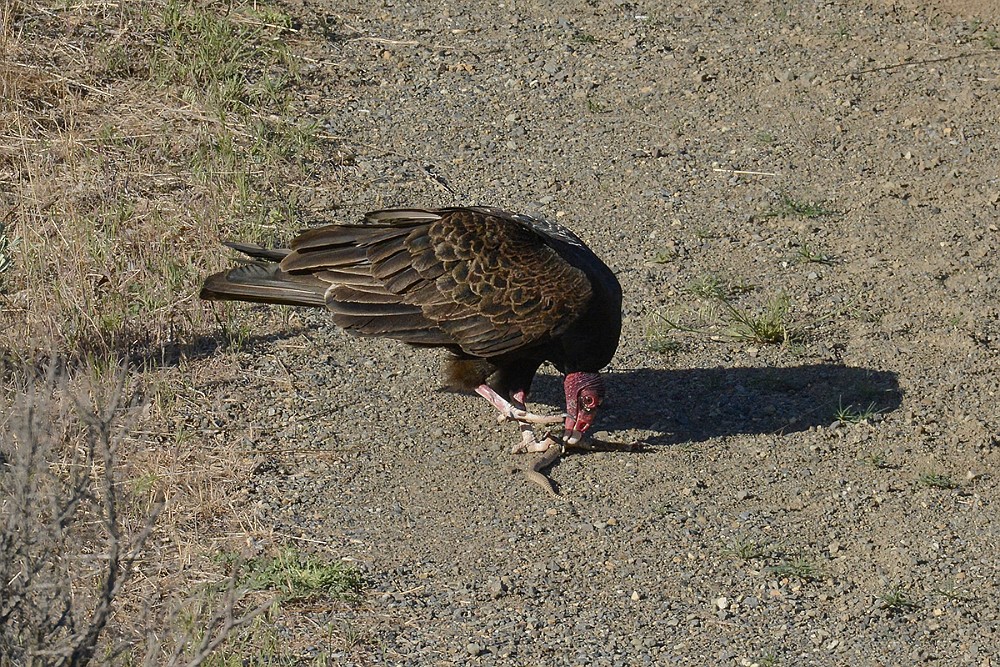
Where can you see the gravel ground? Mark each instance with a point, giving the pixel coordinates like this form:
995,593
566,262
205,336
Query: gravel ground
749,524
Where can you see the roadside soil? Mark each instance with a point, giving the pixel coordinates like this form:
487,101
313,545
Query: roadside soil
827,500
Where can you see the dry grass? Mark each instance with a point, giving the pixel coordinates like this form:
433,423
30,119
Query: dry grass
77,539
133,135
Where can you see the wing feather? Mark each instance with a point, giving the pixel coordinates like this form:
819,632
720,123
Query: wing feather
478,279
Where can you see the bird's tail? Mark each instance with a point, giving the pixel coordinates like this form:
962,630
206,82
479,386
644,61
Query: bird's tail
263,281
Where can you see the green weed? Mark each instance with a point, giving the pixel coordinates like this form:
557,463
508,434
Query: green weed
297,576
799,568
749,549
879,460
765,138
897,601
852,414
807,254
711,286
937,481
769,327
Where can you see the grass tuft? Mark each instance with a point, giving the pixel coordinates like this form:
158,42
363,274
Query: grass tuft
749,549
851,414
298,576
799,568
937,481
878,460
897,601
711,286
769,327
807,254
585,38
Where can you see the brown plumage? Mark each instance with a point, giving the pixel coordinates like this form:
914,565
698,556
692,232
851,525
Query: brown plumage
503,292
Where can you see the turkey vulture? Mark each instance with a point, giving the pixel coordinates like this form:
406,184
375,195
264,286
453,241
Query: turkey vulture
504,293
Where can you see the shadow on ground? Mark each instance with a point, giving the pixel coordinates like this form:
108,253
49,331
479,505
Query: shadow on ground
692,405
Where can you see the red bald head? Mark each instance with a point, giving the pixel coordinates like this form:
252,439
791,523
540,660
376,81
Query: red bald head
584,394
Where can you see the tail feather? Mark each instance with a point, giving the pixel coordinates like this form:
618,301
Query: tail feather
258,252
262,282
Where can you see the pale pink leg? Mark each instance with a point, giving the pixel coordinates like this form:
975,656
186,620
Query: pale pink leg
515,411
510,411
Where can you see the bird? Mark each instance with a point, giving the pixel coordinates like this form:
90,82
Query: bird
502,292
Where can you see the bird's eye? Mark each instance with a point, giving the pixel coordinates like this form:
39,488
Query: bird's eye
589,402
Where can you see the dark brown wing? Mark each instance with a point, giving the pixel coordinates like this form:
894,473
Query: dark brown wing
478,279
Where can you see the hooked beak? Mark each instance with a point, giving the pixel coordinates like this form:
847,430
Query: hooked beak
578,425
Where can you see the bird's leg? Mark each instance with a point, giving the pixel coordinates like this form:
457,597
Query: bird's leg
509,410
515,410
529,441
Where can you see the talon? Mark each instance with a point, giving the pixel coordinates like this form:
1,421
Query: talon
530,443
530,418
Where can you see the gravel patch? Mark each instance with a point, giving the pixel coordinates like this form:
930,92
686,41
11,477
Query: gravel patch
757,523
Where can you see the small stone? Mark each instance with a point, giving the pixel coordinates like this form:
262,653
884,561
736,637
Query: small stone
722,602
496,587
635,596
474,649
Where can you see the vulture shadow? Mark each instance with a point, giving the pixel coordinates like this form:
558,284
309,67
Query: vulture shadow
697,404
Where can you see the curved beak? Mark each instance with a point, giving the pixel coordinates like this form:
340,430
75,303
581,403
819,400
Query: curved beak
577,425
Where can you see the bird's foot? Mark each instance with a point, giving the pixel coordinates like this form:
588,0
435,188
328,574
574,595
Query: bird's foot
525,417
530,443
514,411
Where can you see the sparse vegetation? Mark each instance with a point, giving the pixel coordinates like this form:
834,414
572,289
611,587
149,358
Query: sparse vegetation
807,254
877,459
72,538
594,106
769,326
898,601
711,286
799,568
584,38
852,414
750,549
298,576
658,340
937,481
765,138
664,257
767,660
136,134
189,141
955,593
766,328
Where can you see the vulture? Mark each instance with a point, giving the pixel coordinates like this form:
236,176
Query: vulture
502,292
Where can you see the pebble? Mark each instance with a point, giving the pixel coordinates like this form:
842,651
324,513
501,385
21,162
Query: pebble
487,570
